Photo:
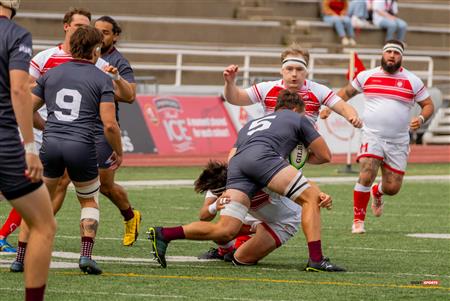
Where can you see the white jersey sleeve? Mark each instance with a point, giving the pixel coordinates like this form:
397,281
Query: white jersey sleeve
419,89
325,95
258,92
360,79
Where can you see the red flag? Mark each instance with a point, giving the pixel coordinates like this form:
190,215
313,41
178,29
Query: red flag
358,66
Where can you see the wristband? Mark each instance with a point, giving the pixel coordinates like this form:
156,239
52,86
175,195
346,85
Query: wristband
422,118
115,76
30,148
212,208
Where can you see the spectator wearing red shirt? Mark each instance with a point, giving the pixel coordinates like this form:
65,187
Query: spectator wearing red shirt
334,12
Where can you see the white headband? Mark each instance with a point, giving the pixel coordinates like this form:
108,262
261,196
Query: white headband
294,61
393,47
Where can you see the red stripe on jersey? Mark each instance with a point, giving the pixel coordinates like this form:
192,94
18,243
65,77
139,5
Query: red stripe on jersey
257,92
327,98
394,82
271,98
53,61
405,96
259,199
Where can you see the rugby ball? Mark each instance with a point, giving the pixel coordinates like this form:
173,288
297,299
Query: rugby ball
298,156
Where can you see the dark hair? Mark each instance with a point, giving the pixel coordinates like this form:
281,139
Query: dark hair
116,28
289,100
83,41
397,42
214,176
76,11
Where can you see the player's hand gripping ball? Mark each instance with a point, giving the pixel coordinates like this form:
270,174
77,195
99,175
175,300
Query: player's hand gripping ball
298,156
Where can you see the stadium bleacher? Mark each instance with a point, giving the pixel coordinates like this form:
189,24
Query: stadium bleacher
152,29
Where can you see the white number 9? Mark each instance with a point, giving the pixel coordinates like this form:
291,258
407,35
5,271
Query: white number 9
72,106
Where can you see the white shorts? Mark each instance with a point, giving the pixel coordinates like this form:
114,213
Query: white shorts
281,231
393,155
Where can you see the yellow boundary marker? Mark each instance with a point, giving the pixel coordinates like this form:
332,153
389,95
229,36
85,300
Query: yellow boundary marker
262,280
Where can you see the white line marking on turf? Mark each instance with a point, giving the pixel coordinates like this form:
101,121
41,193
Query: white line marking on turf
429,235
323,180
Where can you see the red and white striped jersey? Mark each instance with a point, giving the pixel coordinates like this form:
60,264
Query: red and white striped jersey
313,94
389,101
48,59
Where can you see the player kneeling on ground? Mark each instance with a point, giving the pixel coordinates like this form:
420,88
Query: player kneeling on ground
262,146
76,94
272,219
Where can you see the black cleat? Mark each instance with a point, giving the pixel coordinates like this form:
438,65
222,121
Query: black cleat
212,253
16,267
159,245
89,266
323,266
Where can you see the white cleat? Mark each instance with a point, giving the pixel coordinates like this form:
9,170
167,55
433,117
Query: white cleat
358,227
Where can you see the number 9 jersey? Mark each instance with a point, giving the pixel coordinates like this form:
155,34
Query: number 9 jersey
72,93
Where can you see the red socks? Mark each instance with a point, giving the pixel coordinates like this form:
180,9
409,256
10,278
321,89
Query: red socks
361,197
127,214
315,250
11,223
173,233
35,293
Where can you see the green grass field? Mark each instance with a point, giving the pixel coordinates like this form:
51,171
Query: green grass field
383,264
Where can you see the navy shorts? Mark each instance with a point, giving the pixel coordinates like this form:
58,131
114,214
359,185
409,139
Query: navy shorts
13,182
104,151
79,158
252,169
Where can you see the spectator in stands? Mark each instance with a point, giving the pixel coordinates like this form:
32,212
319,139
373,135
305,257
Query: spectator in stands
358,13
385,16
334,12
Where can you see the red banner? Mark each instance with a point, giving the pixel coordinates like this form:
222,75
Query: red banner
188,125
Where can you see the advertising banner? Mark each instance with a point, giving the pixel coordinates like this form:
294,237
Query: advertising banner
188,125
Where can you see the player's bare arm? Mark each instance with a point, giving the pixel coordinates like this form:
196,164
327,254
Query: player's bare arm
21,102
319,152
345,94
211,206
233,94
123,90
427,110
112,131
348,112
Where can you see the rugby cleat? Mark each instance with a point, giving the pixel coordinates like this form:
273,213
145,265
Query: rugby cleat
323,266
16,267
358,227
159,245
212,253
377,201
89,266
132,227
6,247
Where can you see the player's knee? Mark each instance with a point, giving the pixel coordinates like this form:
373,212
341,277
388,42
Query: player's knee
390,189
88,191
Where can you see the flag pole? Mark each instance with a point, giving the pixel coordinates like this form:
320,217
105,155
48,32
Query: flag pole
351,75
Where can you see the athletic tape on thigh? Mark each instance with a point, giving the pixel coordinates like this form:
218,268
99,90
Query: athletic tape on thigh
90,213
236,210
298,184
89,191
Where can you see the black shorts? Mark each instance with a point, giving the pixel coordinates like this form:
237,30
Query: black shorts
79,158
253,168
13,182
104,151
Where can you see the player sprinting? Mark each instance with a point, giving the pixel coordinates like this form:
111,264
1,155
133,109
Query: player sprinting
75,94
262,146
272,219
20,167
390,94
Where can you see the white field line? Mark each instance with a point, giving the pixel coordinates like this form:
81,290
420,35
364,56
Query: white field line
130,294
320,180
429,235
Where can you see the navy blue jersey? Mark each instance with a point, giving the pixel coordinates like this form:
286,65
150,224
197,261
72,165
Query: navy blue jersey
280,132
116,59
15,54
72,93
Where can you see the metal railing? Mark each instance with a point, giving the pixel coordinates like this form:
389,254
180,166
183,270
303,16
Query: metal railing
248,68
